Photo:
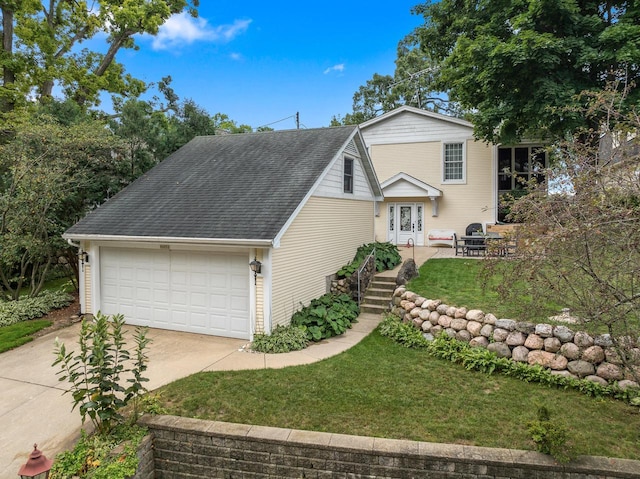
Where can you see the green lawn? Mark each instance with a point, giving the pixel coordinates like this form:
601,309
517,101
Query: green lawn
378,388
20,333
459,282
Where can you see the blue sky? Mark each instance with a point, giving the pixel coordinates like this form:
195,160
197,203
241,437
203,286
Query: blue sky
259,62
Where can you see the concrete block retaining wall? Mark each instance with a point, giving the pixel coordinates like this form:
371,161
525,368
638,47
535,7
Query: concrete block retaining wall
186,448
145,460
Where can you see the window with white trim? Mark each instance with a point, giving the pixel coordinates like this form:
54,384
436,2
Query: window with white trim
453,164
348,175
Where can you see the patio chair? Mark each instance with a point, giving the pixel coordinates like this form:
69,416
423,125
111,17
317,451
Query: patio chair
475,247
473,228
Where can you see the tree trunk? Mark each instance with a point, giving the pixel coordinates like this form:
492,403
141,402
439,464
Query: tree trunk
8,74
81,95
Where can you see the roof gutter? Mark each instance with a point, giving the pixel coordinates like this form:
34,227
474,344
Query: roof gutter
170,239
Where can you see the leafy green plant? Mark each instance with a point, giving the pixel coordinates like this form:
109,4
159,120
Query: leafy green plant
405,334
12,312
97,372
348,269
151,404
387,257
549,436
282,339
483,360
326,316
108,456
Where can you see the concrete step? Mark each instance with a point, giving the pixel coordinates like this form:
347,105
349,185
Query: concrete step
381,301
383,284
373,308
379,292
385,279
378,296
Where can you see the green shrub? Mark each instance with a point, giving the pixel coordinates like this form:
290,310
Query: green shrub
549,436
99,372
326,316
405,334
387,257
12,312
96,456
282,339
483,360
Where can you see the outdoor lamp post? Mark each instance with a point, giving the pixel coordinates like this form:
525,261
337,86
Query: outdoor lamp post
37,466
256,267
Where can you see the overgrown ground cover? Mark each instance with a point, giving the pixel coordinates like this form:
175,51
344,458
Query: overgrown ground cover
16,324
378,388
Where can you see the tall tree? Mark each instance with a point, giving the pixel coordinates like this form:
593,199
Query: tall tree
582,251
41,41
50,174
518,65
411,84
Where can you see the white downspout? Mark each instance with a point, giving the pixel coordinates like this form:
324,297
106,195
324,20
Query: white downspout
81,281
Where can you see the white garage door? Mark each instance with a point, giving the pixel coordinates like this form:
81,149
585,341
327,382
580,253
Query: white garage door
203,293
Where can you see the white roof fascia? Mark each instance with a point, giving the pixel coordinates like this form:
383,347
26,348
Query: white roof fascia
417,111
170,239
367,164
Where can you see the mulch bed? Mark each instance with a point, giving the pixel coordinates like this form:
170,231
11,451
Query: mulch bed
61,318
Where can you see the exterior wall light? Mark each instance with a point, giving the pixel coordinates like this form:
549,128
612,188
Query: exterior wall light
256,267
84,258
37,466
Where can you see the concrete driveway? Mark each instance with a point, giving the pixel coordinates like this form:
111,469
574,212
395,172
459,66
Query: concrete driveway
33,409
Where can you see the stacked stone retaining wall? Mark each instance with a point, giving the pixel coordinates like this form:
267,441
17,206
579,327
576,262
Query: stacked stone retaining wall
349,285
558,348
186,448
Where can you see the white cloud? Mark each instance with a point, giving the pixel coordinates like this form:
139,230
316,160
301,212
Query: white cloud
236,56
335,68
183,29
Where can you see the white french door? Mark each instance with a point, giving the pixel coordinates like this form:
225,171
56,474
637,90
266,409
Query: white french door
405,224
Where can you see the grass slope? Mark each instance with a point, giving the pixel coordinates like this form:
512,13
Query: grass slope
378,388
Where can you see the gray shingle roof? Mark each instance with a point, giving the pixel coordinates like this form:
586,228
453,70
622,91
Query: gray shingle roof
243,186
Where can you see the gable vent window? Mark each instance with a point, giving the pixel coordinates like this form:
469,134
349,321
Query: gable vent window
348,175
453,167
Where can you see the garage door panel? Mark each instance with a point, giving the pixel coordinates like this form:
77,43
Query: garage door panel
186,291
198,300
178,279
143,314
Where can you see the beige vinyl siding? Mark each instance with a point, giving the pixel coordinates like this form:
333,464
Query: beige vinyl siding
323,237
420,160
460,204
87,289
259,305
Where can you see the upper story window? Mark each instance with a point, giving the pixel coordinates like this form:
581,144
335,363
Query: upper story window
348,175
453,166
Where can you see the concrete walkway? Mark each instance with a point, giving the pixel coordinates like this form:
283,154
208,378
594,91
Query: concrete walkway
34,410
